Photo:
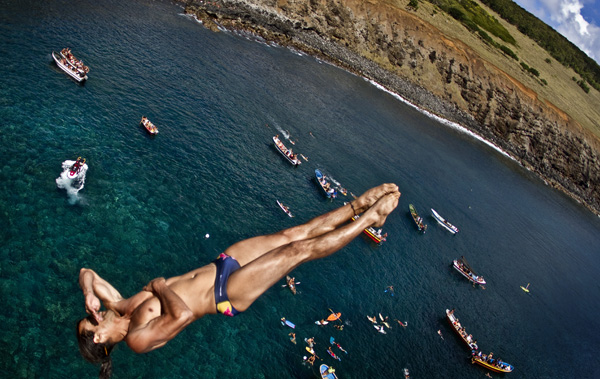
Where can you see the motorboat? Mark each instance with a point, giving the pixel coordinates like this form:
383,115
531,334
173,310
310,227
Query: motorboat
71,65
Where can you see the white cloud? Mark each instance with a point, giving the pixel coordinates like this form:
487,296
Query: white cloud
566,18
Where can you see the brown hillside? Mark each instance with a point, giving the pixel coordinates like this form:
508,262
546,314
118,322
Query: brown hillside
432,60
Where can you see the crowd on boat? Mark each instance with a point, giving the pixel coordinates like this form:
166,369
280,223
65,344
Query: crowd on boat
468,338
150,127
285,151
468,272
376,235
477,356
327,186
418,219
74,63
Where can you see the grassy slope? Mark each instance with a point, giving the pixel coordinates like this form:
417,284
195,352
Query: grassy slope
561,90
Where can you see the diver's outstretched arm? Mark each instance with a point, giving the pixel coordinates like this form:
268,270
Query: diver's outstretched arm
96,289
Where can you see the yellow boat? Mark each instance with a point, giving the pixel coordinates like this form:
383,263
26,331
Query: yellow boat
494,364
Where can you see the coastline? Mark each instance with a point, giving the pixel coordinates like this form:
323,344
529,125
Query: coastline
242,17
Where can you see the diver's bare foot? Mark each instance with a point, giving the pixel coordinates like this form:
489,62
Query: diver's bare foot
370,197
382,208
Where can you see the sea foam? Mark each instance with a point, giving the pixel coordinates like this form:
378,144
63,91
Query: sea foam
72,186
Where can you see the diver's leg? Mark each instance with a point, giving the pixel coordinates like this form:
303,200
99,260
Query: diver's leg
248,250
249,282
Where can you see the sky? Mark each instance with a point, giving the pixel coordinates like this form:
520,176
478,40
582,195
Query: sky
577,20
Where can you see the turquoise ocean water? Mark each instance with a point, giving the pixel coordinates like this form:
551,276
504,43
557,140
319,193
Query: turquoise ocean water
147,204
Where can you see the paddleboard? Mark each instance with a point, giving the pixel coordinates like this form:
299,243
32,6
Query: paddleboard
331,340
288,323
310,350
524,289
334,356
379,329
321,323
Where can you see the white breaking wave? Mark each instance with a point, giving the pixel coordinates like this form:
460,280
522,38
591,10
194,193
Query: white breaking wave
72,186
449,123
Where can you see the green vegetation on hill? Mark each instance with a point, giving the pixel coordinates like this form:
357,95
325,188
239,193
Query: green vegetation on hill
474,17
557,46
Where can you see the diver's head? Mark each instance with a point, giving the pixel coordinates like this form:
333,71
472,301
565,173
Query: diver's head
97,339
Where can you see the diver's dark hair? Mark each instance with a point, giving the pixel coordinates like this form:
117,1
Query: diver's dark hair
95,352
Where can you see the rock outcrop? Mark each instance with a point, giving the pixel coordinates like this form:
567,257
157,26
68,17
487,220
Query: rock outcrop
380,41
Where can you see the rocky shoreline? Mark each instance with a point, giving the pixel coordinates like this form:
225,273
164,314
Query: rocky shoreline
461,89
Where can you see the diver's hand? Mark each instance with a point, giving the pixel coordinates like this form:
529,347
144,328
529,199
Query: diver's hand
155,285
92,306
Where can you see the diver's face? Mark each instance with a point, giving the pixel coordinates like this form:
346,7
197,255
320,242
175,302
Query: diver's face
109,330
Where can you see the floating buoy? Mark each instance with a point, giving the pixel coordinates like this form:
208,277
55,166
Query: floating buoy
207,235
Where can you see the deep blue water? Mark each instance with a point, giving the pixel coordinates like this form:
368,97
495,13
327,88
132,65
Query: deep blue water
217,99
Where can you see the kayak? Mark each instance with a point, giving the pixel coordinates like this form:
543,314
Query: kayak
333,355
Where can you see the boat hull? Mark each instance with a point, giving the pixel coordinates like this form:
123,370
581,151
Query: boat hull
490,366
371,232
74,174
453,320
417,219
319,177
149,126
443,222
476,280
66,68
283,151
324,374
284,208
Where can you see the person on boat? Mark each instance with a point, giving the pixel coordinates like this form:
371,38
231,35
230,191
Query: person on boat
77,165
229,285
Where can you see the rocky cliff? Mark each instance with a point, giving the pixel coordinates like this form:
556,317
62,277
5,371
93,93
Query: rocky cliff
388,44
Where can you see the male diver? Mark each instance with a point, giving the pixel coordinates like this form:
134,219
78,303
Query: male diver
228,285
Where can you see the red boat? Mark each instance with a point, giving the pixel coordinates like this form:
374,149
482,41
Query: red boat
150,127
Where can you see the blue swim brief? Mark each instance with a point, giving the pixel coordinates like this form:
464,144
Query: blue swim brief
225,266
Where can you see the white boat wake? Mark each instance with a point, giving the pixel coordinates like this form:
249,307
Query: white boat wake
72,186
